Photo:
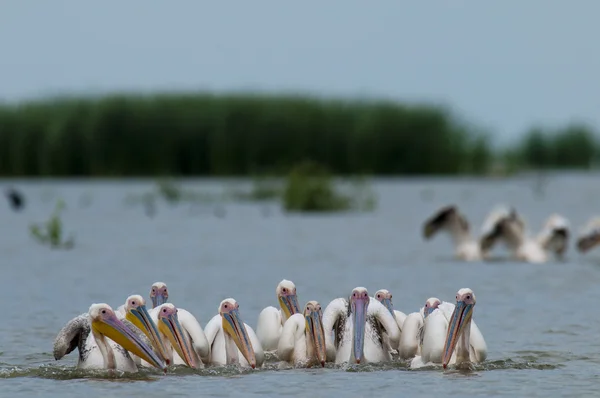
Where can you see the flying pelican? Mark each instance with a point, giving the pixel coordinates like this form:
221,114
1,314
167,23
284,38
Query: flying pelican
302,340
450,219
446,325
95,352
552,238
231,340
358,325
589,237
271,320
409,345
385,297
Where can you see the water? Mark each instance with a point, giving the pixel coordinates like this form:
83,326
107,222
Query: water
538,320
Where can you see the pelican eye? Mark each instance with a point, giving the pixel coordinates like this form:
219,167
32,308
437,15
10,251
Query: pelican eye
104,311
379,296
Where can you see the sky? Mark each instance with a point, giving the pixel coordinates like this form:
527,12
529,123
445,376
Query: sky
505,65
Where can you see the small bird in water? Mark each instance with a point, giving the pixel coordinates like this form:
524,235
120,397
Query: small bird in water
15,198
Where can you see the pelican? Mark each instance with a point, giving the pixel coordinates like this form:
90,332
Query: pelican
231,340
191,329
302,340
450,219
271,320
159,294
172,335
358,325
95,352
186,346
385,298
409,345
552,238
447,325
589,237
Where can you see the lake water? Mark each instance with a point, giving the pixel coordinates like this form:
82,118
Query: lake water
540,321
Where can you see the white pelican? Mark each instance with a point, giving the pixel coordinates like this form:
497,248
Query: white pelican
159,294
271,320
231,340
358,325
589,237
188,340
511,230
385,297
302,340
410,345
448,325
95,352
191,329
450,219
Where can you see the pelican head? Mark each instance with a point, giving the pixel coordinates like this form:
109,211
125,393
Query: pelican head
431,304
314,328
159,294
359,301
105,322
460,322
136,313
288,301
168,324
236,329
385,297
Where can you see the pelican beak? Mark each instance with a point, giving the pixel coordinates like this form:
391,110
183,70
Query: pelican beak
289,304
388,304
315,330
139,317
115,330
427,311
460,318
159,299
359,313
169,325
234,327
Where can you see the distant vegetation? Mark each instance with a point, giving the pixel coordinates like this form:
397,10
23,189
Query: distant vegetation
310,188
51,232
243,135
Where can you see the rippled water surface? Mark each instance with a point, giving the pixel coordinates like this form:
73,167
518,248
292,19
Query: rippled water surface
540,321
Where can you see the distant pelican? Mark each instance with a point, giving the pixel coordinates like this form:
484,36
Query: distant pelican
511,230
95,352
410,344
271,320
302,340
449,327
358,326
231,340
385,297
589,237
450,219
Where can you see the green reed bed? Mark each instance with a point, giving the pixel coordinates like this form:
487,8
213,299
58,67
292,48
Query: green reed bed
219,135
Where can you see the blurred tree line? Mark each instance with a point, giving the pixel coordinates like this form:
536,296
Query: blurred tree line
244,134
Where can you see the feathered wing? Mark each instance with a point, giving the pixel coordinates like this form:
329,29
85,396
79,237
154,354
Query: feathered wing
72,335
269,327
334,325
292,331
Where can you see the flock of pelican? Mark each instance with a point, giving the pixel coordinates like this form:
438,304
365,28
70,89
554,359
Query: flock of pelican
358,329
505,225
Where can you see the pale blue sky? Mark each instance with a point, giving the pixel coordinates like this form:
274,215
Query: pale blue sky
504,64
